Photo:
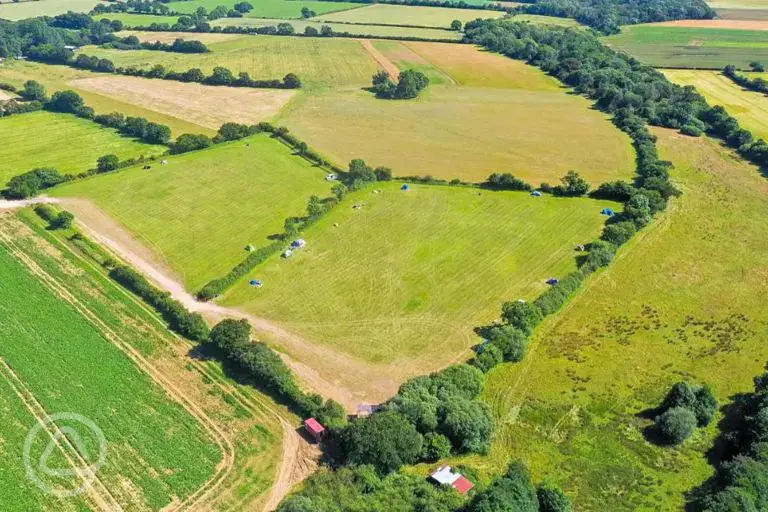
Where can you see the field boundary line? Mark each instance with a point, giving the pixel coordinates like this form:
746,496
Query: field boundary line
292,441
228,454
105,501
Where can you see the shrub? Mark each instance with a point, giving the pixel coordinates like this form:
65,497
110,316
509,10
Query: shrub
506,181
385,440
63,220
514,492
572,185
619,233
523,315
31,183
469,425
676,424
698,399
617,190
65,101
553,499
190,142
600,255
510,340
107,163
488,356
33,91
291,81
436,446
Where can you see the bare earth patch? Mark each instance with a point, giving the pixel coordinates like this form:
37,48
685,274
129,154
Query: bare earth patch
204,105
728,24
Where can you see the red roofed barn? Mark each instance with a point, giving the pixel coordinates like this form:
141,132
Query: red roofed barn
315,429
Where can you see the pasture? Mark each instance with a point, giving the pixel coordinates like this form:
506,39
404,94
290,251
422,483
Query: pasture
198,212
702,48
546,20
400,282
501,117
29,9
57,78
388,14
63,141
355,29
266,8
320,63
138,20
683,301
748,107
156,450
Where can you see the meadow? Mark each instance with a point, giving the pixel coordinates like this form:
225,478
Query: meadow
287,9
748,107
400,282
682,301
57,78
248,421
320,63
29,9
703,48
408,15
484,113
62,141
356,29
156,451
198,212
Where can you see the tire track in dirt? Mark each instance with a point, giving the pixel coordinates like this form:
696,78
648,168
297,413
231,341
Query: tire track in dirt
97,492
225,444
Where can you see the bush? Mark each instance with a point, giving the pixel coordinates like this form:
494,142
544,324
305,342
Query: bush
676,424
107,163
385,440
698,399
523,315
488,356
65,101
33,91
190,142
572,185
506,181
600,255
63,220
553,499
436,446
510,340
469,425
31,183
619,233
514,492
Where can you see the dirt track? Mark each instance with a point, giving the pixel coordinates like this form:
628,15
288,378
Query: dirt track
384,62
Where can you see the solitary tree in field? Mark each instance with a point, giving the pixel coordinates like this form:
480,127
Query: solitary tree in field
456,25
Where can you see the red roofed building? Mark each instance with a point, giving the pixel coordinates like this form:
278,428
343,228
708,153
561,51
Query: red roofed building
462,485
444,475
315,429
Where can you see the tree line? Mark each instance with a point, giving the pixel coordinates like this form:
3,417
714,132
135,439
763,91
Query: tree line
178,46
757,84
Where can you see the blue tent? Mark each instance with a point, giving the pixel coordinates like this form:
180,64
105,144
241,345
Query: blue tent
256,283
608,211
536,193
552,281
405,187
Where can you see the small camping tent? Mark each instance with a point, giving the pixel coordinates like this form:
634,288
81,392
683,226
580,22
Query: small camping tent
330,177
553,281
406,187
287,253
256,283
536,193
608,211
298,243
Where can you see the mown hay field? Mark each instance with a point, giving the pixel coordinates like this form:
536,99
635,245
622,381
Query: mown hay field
683,301
318,62
62,141
198,212
266,8
401,281
355,29
30,9
409,15
705,48
156,451
749,107
483,113
57,78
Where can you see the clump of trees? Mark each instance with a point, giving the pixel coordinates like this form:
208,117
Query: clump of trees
409,84
506,181
178,46
33,182
56,219
269,371
757,84
685,408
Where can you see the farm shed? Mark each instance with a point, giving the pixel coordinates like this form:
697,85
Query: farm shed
444,475
314,428
331,177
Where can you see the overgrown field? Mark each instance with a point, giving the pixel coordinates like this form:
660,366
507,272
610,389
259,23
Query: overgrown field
199,212
155,449
683,301
266,8
29,9
707,48
57,78
318,62
408,15
483,113
63,141
401,281
749,107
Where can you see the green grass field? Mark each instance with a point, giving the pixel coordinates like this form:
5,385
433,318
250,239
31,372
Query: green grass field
408,15
200,211
318,62
691,47
30,9
155,449
137,20
748,107
403,280
546,20
266,8
484,113
683,301
63,141
366,30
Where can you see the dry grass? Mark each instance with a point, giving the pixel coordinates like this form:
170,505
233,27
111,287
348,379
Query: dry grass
202,105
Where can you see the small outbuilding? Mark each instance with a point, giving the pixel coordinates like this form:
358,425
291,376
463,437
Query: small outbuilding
536,193
446,476
314,429
287,253
298,243
256,283
406,187
608,211
331,177
553,281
